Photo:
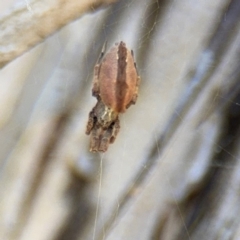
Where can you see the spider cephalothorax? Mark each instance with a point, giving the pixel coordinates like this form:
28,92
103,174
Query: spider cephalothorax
115,86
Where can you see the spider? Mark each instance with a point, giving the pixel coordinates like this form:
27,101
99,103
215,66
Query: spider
115,85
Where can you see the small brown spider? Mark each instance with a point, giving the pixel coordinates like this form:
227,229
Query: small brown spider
115,85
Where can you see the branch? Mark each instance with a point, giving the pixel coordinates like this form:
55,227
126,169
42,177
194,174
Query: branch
28,25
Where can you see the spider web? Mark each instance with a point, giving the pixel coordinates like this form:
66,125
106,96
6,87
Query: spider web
203,66
165,176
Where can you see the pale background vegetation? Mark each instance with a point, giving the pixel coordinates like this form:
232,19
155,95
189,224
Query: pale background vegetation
173,172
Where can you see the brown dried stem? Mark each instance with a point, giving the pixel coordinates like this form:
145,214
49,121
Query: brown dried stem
27,25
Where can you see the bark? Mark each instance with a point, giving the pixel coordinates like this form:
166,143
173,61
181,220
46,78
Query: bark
173,171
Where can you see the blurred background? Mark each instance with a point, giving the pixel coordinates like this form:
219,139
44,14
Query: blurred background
173,171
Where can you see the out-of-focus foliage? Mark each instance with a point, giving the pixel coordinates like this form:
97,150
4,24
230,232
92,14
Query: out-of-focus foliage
173,172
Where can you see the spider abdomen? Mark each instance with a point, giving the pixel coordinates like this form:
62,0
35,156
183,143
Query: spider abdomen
117,78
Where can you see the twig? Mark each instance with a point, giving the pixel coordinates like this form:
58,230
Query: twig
29,24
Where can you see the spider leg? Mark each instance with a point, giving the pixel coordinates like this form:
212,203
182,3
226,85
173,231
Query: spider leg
104,47
135,95
95,89
91,121
108,136
105,140
116,128
95,139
